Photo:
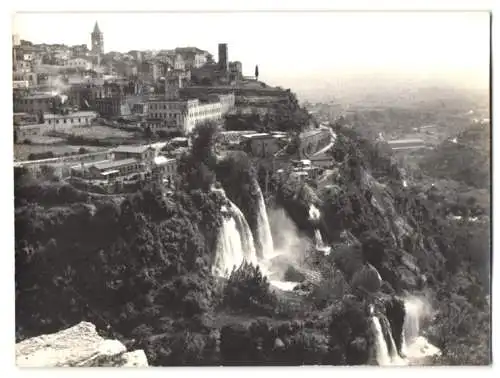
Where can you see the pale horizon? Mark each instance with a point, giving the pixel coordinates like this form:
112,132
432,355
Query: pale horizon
298,50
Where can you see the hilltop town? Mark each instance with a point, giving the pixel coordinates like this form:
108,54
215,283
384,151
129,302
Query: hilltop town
103,117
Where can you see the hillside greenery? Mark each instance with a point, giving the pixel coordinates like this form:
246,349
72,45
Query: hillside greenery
139,267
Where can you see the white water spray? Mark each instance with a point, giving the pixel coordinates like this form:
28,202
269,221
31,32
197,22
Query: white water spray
314,215
263,229
414,347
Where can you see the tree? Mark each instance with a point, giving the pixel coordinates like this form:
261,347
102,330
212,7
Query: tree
256,72
248,288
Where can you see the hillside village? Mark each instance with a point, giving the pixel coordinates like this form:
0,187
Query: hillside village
100,118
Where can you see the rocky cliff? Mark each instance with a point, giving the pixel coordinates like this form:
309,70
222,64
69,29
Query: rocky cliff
78,346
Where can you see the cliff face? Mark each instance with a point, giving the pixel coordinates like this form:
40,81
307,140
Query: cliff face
78,346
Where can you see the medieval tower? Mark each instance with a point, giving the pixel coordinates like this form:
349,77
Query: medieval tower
97,41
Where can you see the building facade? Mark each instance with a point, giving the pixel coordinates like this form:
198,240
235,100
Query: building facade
228,102
23,132
185,115
65,121
79,63
34,103
143,153
235,71
112,106
263,145
108,169
30,77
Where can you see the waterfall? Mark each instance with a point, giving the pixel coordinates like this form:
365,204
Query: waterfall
386,355
235,242
414,346
314,215
411,326
319,238
385,347
381,350
247,241
320,245
265,239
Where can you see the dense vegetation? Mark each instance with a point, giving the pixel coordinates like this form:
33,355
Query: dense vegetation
465,160
139,267
275,115
409,234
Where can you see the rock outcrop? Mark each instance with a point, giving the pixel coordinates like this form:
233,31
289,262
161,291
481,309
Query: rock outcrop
78,346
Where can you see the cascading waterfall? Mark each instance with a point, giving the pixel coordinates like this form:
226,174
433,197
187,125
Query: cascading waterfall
386,355
314,215
264,235
381,350
235,242
414,346
411,326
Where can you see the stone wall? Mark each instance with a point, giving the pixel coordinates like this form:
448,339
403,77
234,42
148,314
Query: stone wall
77,346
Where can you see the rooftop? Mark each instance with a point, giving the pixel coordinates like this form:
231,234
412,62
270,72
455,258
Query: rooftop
132,149
258,136
35,96
404,141
70,115
96,28
110,164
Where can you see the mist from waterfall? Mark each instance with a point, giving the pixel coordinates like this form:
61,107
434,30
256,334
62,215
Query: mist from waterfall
289,247
414,345
415,348
264,236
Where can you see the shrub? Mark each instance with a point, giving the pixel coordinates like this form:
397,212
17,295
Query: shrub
248,289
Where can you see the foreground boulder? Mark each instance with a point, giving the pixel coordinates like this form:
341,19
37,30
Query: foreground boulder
78,346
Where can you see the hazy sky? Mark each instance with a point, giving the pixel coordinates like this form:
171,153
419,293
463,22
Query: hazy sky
296,49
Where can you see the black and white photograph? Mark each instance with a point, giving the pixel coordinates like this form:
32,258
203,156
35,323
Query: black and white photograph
252,188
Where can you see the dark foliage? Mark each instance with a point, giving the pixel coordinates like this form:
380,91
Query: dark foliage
247,289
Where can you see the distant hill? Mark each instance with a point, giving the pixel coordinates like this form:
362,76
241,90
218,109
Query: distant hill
465,158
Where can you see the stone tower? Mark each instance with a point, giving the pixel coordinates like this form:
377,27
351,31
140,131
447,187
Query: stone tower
223,61
97,41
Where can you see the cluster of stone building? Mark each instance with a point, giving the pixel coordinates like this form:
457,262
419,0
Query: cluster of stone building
126,162
58,87
143,86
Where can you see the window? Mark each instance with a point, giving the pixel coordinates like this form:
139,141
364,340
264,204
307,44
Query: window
64,120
